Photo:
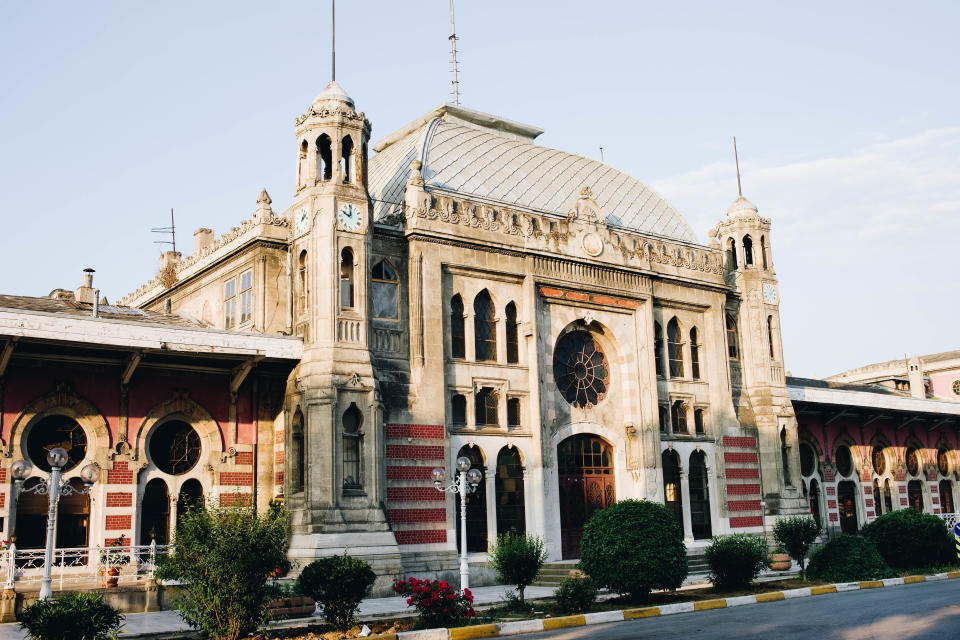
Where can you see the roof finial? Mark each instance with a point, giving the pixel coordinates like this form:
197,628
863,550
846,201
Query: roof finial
737,160
453,56
333,40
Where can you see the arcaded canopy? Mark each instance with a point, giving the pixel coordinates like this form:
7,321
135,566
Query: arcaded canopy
490,159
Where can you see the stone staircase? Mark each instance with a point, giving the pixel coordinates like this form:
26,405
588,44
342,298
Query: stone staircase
554,572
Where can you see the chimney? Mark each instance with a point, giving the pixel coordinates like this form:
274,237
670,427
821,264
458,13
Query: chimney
169,260
918,388
85,292
202,238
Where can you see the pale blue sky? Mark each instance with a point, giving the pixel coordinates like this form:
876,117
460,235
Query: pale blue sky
846,115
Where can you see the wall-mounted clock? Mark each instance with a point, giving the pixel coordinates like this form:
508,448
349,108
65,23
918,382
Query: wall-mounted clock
301,220
769,293
349,217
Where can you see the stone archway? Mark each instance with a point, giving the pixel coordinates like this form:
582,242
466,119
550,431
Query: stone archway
183,407
585,468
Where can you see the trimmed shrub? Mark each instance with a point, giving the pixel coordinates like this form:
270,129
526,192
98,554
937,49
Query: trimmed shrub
634,546
438,604
909,539
518,560
223,557
736,560
847,559
575,594
796,535
338,584
76,616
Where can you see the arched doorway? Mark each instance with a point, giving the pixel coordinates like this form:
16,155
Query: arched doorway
585,470
31,526
946,496
699,497
672,493
509,491
191,494
476,505
847,505
815,501
155,512
915,494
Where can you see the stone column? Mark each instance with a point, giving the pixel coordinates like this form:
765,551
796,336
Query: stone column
491,480
685,503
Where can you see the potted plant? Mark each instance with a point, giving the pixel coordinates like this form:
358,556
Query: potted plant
779,560
112,557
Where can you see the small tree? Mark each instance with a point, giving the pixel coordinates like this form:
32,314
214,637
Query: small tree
518,560
76,616
338,583
224,556
797,534
736,560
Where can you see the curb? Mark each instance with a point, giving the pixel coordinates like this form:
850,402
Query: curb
602,617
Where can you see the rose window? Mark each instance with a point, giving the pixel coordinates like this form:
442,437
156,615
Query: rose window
580,369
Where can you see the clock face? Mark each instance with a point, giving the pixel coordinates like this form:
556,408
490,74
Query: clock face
769,293
349,217
301,219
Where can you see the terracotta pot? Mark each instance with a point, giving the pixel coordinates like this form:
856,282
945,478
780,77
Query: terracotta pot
780,562
110,576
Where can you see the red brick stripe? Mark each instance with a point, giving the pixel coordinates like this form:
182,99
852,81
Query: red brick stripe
745,521
421,537
414,452
117,499
415,431
740,442
409,473
414,494
232,499
236,478
743,473
416,515
244,458
734,457
120,474
115,523
743,489
743,505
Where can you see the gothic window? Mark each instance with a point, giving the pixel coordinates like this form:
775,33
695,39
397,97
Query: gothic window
785,457
324,157
733,342
664,418
487,412
763,251
877,497
191,495
844,460
747,251
732,255
484,327
695,353
458,409
915,495
513,346
346,159
56,431
513,413
888,495
302,281
175,447
658,348
346,278
509,491
946,496
155,512
302,162
770,336
672,494
384,285
457,338
580,369
246,296
700,520
678,415
230,303
675,348
352,441
297,454
698,422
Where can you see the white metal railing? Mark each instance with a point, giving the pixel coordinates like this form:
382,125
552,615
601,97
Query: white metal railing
950,519
81,566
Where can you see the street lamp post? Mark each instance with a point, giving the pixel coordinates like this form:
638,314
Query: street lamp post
467,481
54,488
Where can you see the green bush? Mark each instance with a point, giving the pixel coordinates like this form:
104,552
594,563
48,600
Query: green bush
518,560
76,616
796,535
634,546
338,584
847,559
223,556
736,560
575,594
909,539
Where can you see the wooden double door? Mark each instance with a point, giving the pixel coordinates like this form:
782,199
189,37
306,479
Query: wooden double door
585,470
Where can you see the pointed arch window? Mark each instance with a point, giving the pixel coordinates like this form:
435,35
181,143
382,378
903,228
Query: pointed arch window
747,251
763,251
679,416
297,453
346,278
458,410
346,159
733,341
513,413
675,348
384,287
302,281
672,493
664,418
509,491
658,348
457,330
513,345
698,422
324,157
484,327
352,446
302,163
732,254
487,409
695,353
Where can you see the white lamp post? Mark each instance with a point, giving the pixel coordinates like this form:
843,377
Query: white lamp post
467,481
56,458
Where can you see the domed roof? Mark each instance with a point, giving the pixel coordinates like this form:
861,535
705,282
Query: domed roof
486,158
333,92
741,206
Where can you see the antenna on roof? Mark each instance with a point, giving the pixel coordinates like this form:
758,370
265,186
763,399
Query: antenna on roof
737,160
453,57
333,40
172,230
601,153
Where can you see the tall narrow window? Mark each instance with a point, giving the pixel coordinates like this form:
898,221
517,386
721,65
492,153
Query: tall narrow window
698,422
457,340
785,457
352,440
747,251
476,504
230,303
384,284
346,278
675,348
658,348
513,346
246,296
509,488
297,453
672,495
302,280
458,410
733,341
302,164
695,353
324,158
486,408
763,251
664,418
346,159
732,255
513,413
770,336
679,417
484,327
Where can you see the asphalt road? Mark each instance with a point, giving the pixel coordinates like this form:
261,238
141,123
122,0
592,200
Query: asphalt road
929,610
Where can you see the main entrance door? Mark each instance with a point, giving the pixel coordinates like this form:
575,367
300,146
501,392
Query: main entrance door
585,468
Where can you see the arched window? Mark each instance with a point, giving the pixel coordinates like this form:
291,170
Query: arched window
731,255
513,413
658,348
457,339
946,496
888,496
297,453
302,163
346,159
747,251
844,460
324,157
155,513
700,521
384,285
815,501
352,440
808,460
698,422
484,327
695,353
763,251
346,278
476,504
458,409
672,494
770,336
664,418
675,348
877,498
913,461
486,408
785,457
679,416
56,431
302,281
847,505
174,447
509,492
190,496
915,494
733,341
879,461
513,345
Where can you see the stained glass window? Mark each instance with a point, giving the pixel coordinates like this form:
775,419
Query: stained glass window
580,369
